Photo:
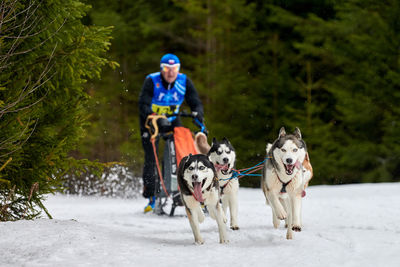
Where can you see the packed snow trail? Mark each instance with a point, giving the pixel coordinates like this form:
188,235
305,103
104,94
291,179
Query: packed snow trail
347,225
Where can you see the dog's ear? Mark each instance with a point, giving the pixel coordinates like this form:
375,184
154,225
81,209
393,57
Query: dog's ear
282,132
226,140
297,132
268,148
214,141
182,164
212,165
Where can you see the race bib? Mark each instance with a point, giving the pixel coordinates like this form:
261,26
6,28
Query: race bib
164,109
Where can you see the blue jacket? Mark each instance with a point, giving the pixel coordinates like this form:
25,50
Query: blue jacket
152,100
167,101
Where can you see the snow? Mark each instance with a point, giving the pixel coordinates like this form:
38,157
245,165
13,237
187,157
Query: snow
346,225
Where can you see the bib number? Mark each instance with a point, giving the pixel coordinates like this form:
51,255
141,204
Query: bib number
164,109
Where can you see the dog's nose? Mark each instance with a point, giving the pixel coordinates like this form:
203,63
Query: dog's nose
226,160
289,161
194,177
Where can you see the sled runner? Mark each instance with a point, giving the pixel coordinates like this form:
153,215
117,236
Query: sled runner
177,144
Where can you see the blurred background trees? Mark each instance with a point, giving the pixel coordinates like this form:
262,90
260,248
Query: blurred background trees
328,67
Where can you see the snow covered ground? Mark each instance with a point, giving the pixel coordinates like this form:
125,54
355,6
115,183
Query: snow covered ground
347,225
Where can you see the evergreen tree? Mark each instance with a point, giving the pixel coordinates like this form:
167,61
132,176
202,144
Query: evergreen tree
46,55
358,50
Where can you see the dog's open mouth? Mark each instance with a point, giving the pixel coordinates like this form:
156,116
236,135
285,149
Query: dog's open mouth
289,168
197,191
224,168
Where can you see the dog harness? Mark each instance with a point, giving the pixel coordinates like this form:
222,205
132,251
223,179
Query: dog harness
223,187
283,189
167,100
219,167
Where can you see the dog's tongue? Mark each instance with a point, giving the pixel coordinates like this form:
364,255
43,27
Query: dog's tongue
298,164
198,195
224,167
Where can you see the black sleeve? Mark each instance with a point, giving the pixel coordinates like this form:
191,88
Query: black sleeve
192,98
145,98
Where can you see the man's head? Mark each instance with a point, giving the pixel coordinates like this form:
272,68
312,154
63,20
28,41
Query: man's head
170,66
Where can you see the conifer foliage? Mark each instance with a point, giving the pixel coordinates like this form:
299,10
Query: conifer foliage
46,55
328,67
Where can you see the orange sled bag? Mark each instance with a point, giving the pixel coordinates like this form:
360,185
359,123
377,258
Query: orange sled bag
184,144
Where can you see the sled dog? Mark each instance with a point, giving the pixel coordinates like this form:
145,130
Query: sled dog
286,174
198,184
223,155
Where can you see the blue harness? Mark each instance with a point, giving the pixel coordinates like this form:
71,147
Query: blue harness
235,174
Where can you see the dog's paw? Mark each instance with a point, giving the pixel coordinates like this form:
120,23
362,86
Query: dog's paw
289,235
199,241
276,222
235,227
223,241
282,215
296,228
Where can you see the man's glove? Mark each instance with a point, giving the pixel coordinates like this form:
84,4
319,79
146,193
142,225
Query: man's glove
197,115
164,125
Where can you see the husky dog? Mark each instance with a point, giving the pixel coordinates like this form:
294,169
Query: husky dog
285,176
198,184
223,155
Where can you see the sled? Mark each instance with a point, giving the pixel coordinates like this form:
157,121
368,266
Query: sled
177,144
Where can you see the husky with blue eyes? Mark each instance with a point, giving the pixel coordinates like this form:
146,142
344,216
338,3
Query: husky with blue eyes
223,155
198,184
285,177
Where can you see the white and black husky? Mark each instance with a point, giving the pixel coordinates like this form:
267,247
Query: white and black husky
223,155
285,176
198,184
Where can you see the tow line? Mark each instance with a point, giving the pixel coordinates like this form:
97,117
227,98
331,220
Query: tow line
238,174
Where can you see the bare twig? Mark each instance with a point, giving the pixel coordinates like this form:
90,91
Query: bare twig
8,199
34,188
5,164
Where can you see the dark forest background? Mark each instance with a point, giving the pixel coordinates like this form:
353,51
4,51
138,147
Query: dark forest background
328,67
71,73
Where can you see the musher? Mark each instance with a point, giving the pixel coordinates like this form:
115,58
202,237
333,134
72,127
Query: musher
163,93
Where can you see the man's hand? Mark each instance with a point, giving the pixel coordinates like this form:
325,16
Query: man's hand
199,121
164,125
196,115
